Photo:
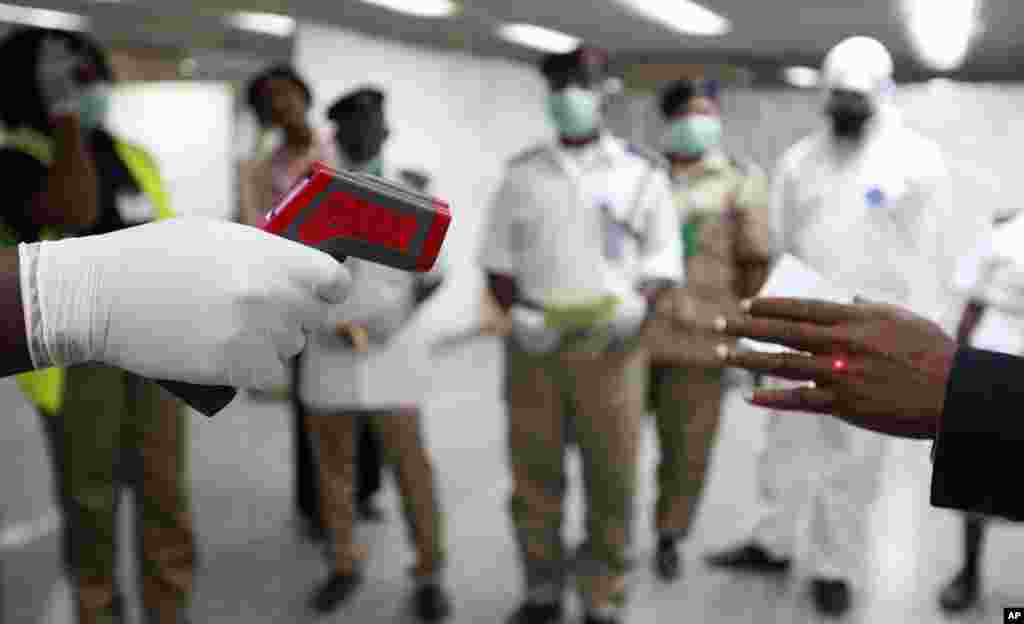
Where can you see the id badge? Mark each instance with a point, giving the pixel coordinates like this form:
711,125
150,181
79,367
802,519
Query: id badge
615,234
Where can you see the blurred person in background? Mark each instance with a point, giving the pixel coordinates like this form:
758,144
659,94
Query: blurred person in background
993,320
335,367
68,175
868,205
581,235
723,205
281,100
352,146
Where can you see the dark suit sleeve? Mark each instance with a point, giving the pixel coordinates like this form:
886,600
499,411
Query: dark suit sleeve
978,451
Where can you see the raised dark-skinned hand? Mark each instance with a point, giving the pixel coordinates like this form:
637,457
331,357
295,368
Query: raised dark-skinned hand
875,366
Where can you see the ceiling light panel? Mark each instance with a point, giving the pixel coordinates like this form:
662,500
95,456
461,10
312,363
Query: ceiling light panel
538,38
941,35
42,18
418,8
265,23
801,77
682,16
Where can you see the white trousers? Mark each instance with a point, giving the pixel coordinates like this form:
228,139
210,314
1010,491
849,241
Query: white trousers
819,469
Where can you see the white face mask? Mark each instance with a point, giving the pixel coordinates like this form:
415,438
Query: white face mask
693,135
575,112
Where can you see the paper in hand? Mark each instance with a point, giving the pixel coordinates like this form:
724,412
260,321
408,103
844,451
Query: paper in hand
999,331
791,277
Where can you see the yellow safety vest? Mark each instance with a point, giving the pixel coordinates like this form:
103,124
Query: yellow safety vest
45,388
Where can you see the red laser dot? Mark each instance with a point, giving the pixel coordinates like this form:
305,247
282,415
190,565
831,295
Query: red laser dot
839,364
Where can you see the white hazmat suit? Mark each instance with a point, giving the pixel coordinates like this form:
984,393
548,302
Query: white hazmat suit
872,216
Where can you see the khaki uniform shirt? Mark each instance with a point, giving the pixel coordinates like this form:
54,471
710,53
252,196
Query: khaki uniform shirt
723,206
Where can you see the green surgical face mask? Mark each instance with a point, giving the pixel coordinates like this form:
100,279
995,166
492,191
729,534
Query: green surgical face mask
576,112
93,106
693,135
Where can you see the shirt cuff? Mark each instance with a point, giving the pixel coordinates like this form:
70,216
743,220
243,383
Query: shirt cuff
28,263
497,263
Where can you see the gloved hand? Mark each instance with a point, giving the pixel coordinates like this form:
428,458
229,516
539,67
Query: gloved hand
57,74
531,332
193,300
630,315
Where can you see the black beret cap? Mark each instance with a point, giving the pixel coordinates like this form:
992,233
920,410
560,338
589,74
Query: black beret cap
679,93
362,101
586,60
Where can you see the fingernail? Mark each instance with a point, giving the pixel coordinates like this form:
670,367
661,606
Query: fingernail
745,305
720,323
722,351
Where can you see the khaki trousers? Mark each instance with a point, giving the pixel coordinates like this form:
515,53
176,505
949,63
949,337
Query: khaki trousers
117,429
401,441
687,403
603,399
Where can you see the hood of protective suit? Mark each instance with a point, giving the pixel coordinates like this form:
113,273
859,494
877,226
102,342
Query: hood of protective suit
862,65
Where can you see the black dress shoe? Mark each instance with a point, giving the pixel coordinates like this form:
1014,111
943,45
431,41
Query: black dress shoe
831,597
961,593
432,604
370,513
750,557
666,560
338,589
593,619
534,613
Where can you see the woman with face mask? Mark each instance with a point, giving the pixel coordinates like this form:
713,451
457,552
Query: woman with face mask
280,100
723,208
66,174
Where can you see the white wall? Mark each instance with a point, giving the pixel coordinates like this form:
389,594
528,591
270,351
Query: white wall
456,116
188,127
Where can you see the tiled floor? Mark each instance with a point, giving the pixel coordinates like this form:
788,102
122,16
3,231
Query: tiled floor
255,570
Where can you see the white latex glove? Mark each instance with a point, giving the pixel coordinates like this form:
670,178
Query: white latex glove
530,331
192,300
629,317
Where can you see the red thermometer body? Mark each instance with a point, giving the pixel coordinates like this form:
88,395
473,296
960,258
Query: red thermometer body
347,214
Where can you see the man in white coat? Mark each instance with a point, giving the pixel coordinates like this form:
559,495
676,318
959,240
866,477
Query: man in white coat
369,370
581,236
868,205
992,278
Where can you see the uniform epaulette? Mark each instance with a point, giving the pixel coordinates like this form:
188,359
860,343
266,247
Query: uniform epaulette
740,164
527,155
653,157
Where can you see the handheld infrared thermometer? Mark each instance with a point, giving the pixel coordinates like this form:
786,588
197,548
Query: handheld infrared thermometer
350,214
346,214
